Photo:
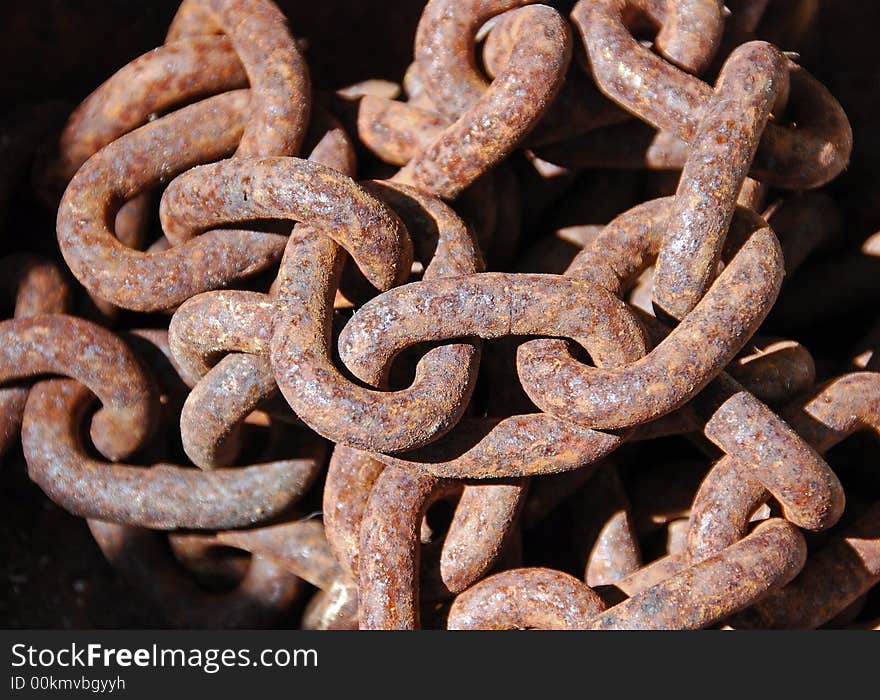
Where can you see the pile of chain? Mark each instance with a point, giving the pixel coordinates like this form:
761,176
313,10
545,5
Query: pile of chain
308,375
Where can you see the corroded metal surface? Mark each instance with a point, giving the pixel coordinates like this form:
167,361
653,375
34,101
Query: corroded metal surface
502,346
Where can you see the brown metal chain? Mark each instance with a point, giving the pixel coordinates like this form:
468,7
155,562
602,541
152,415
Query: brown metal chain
519,329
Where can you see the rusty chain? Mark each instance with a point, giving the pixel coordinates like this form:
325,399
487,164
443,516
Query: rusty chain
519,329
